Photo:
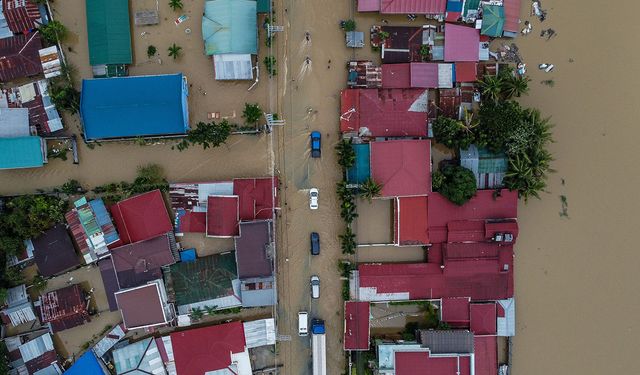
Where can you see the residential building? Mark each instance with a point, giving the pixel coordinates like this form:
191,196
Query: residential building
54,252
142,357
92,228
461,43
22,16
44,118
145,306
17,308
356,326
402,167
109,37
32,354
64,308
141,262
254,254
141,217
22,152
87,364
129,107
488,167
19,57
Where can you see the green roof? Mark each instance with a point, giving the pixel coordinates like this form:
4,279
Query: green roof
108,32
204,279
492,20
470,5
230,27
263,6
21,152
490,162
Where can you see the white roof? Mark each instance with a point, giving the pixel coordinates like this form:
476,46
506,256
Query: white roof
36,347
260,333
50,60
507,324
445,76
14,122
233,67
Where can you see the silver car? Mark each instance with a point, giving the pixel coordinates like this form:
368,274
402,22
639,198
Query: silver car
315,286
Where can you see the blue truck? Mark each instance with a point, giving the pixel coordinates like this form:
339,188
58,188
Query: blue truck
319,347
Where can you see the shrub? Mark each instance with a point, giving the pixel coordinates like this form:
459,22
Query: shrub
207,134
151,51
270,65
346,153
53,31
459,184
349,25
370,189
251,113
452,133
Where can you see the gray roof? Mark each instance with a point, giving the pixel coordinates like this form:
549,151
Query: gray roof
447,342
259,333
14,122
141,357
355,39
108,341
252,297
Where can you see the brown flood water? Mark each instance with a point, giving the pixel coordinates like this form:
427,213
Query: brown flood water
573,274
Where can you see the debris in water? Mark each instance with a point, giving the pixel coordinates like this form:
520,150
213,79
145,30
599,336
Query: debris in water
549,68
307,36
543,66
565,206
548,82
527,28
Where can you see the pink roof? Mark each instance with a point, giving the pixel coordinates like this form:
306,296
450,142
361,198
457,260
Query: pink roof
201,350
396,76
461,43
411,221
455,311
402,167
511,14
368,5
356,326
483,318
222,216
466,71
384,112
141,217
486,355
481,207
257,197
418,363
413,6
424,75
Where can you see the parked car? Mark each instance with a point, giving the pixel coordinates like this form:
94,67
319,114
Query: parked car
313,199
303,323
315,243
315,286
316,144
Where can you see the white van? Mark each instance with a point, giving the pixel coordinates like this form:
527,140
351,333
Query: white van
303,323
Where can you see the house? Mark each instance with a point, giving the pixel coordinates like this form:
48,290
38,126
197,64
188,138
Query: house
34,96
141,217
64,308
384,112
32,354
461,43
492,20
254,256
140,262
512,18
22,16
143,357
417,75
19,57
22,152
109,340
17,307
87,364
402,45
363,74
402,167
488,167
356,326
54,252
14,122
208,281
109,36
129,107
145,306
230,34
92,228
220,348
466,71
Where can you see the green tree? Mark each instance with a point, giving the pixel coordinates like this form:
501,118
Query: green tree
370,189
437,179
71,187
251,113
348,241
65,96
29,215
452,133
459,184
53,31
349,25
13,276
497,121
174,51
514,86
197,313
346,153
4,293
11,245
343,192
490,87
175,4
207,134
39,283
151,51
149,177
270,65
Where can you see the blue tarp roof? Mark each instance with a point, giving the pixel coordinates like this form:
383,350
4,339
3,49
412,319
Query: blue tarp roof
134,106
188,255
87,364
361,169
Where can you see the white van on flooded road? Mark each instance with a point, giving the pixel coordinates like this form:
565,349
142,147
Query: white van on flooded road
303,323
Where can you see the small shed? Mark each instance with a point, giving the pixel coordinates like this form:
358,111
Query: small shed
355,39
233,67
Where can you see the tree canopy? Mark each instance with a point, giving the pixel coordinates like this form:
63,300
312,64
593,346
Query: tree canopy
207,134
452,133
458,184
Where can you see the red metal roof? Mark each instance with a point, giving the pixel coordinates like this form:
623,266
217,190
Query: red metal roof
486,355
368,5
257,197
512,15
455,311
222,216
475,250
396,76
356,326
403,167
509,226
413,6
64,308
411,221
138,263
21,15
481,207
141,217
424,75
422,363
465,231
483,318
466,71
349,110
198,351
193,222
461,43
19,57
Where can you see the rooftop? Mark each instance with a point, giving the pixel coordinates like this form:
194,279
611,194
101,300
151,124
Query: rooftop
410,225
447,341
85,365
110,282
108,32
14,122
253,249
21,15
19,56
54,252
230,26
483,318
356,325
413,6
34,96
144,306
402,167
92,228
64,308
142,357
21,152
140,106
223,216
140,262
461,43
141,217
422,362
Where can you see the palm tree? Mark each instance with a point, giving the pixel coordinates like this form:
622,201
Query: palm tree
346,154
514,85
175,4
370,189
197,313
343,191
174,51
210,309
348,241
491,87
348,211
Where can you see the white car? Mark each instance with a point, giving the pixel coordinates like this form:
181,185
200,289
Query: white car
315,287
313,199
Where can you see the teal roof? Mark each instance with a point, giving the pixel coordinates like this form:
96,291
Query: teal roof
489,162
492,20
230,26
263,6
108,31
470,5
21,152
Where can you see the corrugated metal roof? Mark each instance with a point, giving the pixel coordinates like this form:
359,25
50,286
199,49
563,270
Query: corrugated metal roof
424,75
14,122
356,325
140,262
21,152
483,318
506,317
403,167
64,308
254,251
368,5
447,341
396,76
21,15
50,60
492,20
259,333
223,216
411,221
230,67
230,26
142,355
108,341
19,57
461,43
143,306
512,15
87,364
258,291
108,32
413,6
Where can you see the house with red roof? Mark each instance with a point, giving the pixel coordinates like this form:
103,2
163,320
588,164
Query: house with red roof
356,326
22,16
145,306
64,308
427,7
461,43
19,57
403,167
141,217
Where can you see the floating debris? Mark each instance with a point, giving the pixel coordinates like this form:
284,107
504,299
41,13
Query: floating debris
548,82
536,9
527,28
565,206
549,33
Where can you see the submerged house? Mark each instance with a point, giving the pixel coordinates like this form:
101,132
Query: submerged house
30,354
145,306
109,37
92,228
130,107
230,33
64,308
17,307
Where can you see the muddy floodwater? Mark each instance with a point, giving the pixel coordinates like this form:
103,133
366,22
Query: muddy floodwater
576,274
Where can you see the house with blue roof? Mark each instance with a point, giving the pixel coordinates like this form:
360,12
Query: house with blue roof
130,107
87,364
